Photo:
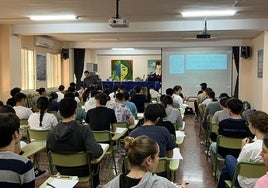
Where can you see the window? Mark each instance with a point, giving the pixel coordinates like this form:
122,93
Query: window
27,69
53,70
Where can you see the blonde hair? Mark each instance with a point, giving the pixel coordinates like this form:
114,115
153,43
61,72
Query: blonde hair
140,148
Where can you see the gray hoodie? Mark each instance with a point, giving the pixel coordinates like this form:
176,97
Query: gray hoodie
149,180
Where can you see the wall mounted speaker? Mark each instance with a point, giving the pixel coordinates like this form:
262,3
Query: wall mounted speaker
245,51
65,53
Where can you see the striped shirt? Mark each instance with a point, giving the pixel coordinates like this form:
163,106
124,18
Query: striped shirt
16,171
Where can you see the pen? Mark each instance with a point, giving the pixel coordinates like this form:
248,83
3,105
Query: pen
48,184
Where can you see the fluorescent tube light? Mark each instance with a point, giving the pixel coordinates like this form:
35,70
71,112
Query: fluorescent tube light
123,49
208,13
54,17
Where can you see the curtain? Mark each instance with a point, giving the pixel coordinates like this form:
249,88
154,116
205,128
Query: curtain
79,58
236,62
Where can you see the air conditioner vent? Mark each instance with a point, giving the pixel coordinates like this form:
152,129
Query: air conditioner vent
44,42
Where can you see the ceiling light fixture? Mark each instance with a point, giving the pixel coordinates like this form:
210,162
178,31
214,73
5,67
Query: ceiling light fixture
123,49
208,13
54,17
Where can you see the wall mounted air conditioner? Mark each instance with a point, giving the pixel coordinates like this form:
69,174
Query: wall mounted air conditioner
43,42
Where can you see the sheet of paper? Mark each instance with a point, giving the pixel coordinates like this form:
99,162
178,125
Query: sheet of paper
66,183
180,134
120,129
177,154
104,146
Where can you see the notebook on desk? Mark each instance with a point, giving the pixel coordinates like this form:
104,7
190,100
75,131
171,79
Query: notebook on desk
120,130
61,182
177,154
180,134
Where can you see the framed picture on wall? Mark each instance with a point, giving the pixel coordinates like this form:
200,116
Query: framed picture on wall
41,67
260,64
122,70
154,70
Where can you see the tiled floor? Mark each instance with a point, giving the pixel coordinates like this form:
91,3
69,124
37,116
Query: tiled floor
194,167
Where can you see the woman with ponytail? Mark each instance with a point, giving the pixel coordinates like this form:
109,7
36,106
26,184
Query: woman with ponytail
42,120
143,154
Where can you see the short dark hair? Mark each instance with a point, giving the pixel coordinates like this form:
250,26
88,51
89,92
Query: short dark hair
9,123
167,99
53,95
169,91
203,84
19,96
41,90
67,107
126,95
69,94
152,112
137,89
61,87
223,101
224,95
7,109
86,71
176,88
119,96
235,105
14,91
102,98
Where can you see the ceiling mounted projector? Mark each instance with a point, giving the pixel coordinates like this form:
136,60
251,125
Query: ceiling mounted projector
204,34
116,21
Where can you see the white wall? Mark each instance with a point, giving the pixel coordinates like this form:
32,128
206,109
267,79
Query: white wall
104,63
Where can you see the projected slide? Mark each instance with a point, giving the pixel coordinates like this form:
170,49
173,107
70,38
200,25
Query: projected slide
176,64
206,61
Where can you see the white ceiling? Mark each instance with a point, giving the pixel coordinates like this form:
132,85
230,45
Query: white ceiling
152,23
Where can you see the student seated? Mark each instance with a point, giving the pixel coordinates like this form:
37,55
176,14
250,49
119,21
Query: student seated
143,154
160,134
258,125
263,181
70,137
16,170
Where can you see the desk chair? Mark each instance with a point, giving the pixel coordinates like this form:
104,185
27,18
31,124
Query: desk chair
106,137
225,142
23,127
40,135
247,169
163,166
179,127
70,160
122,124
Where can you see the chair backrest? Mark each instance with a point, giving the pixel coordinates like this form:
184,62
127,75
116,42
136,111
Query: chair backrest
70,160
163,165
249,170
103,136
37,134
229,142
122,124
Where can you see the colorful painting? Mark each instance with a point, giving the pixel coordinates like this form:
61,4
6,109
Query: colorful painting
41,67
260,64
122,70
154,70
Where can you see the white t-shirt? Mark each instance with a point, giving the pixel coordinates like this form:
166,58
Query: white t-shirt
22,112
91,103
177,101
49,121
250,153
60,96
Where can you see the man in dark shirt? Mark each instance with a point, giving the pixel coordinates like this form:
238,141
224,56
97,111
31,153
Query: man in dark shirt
232,127
101,118
70,137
